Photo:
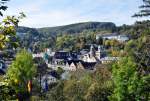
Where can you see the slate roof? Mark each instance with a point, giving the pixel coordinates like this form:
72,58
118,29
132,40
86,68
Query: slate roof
65,55
73,61
88,65
82,52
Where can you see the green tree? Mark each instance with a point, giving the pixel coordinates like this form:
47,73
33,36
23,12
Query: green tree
95,93
7,93
101,86
100,41
74,90
65,42
144,9
21,71
139,50
60,71
56,93
3,7
8,30
129,85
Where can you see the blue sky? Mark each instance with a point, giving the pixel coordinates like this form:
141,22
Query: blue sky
47,13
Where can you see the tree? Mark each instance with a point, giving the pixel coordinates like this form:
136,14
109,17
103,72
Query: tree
7,93
60,71
3,7
144,9
100,41
74,90
96,93
102,86
21,71
8,25
56,94
8,31
128,84
139,50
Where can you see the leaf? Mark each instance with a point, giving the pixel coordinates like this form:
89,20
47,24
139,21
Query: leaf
3,8
1,13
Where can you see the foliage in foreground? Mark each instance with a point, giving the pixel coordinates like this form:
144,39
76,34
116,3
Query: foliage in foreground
20,72
129,84
8,31
88,87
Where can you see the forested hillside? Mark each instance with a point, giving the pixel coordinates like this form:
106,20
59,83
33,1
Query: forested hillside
70,37
47,37
79,27
70,29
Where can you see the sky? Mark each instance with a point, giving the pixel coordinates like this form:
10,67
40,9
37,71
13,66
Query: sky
49,13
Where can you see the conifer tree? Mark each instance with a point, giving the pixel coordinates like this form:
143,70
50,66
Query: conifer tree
144,9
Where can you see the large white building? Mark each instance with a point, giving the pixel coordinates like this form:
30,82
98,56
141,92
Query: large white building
114,36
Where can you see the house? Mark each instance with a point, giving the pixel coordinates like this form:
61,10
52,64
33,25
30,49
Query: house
86,59
84,51
47,79
72,65
65,55
61,57
69,61
113,36
87,65
38,55
106,60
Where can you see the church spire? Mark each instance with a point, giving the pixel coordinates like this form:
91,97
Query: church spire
92,51
99,48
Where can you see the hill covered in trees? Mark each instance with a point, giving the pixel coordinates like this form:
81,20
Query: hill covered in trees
79,27
70,29
47,36
73,36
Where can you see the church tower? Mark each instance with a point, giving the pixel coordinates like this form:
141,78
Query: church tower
92,51
100,48
99,52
